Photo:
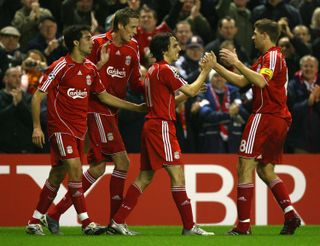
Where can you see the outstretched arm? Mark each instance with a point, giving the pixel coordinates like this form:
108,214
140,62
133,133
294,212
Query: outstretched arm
116,102
248,74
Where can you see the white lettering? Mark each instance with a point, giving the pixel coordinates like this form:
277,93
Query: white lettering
74,94
262,191
114,72
221,196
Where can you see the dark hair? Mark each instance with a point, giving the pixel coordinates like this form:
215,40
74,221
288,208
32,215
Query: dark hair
270,27
73,33
146,8
122,16
226,18
160,44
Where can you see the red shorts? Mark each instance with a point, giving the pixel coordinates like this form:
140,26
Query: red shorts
105,138
159,145
65,146
263,138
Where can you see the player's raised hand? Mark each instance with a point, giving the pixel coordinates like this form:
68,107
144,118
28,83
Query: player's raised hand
104,55
38,137
228,56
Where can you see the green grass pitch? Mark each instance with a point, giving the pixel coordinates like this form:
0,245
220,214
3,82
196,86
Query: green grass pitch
163,235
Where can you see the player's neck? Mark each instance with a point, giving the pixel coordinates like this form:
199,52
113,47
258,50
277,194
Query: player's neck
267,47
77,57
116,39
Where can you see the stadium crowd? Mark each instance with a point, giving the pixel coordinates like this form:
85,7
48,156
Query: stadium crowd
31,39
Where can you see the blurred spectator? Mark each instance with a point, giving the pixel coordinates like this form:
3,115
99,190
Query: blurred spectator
188,67
131,123
183,33
227,30
304,104
48,40
148,28
315,24
10,54
15,115
33,66
26,20
237,9
79,12
189,10
276,9
55,8
302,32
306,9
290,54
221,117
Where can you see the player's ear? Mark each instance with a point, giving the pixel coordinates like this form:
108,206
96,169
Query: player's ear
76,43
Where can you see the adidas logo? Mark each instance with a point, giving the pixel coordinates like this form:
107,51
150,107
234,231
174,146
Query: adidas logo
116,197
186,202
118,53
242,198
79,73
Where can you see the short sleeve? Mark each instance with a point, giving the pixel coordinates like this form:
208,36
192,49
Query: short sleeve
172,78
269,65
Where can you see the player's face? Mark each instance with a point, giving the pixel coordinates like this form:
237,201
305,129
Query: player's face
257,38
128,31
85,43
173,51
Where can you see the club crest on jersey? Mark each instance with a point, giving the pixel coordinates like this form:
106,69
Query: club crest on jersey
69,149
74,94
88,80
128,60
110,136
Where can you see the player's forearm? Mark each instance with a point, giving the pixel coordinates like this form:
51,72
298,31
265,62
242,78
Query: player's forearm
252,76
35,110
193,89
116,102
180,99
230,76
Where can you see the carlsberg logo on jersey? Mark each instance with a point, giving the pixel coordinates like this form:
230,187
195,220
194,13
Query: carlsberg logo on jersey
114,72
74,94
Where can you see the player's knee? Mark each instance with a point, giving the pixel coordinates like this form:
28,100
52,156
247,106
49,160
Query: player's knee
122,163
97,170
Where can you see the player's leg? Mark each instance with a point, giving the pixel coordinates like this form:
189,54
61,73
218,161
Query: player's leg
182,201
245,188
117,180
47,195
76,193
117,224
279,191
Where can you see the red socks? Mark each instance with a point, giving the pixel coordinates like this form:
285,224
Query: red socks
47,195
244,197
184,206
281,195
128,204
116,188
66,202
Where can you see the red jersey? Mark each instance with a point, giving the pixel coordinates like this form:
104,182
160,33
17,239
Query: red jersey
121,69
160,84
272,99
144,38
68,85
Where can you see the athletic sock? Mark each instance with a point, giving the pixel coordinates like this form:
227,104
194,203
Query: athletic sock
66,202
280,193
47,195
76,194
244,197
117,182
184,206
128,204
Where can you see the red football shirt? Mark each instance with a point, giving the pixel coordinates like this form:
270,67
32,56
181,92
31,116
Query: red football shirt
272,99
161,82
68,85
121,69
144,38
